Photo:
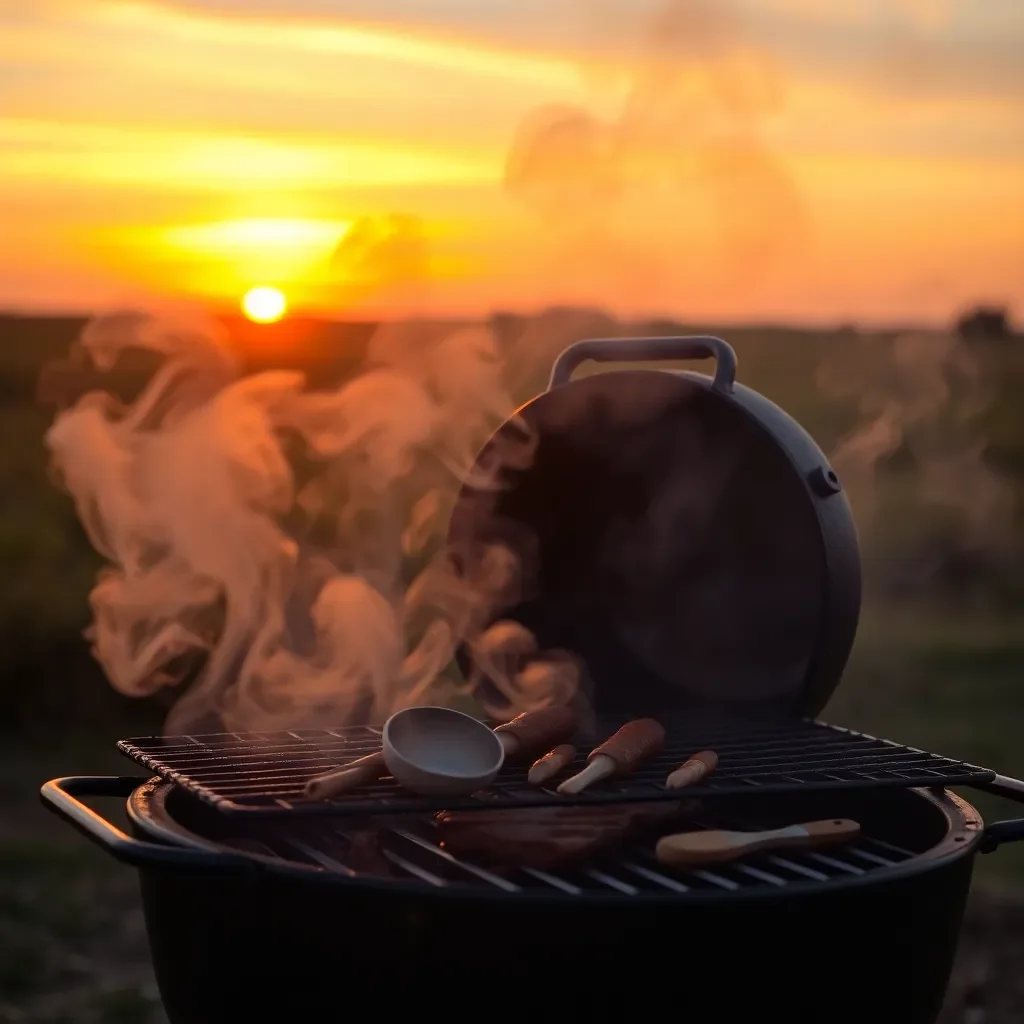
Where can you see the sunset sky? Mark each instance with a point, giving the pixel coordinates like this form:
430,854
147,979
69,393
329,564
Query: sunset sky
800,160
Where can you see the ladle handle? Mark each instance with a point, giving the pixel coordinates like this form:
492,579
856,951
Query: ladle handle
635,350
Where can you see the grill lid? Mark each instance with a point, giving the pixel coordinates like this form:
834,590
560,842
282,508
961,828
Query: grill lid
681,534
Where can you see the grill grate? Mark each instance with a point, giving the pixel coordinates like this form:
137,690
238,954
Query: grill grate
264,773
410,850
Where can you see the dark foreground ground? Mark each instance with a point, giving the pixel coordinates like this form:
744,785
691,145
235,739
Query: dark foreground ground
72,941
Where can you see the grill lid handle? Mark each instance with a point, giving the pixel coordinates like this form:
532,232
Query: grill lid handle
633,350
62,796
1000,832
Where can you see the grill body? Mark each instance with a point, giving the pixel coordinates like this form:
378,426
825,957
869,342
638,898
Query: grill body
281,951
291,941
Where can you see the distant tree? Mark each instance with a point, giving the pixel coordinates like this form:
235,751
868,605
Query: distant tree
984,323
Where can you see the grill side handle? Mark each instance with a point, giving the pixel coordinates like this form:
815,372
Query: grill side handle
64,797
1000,832
633,350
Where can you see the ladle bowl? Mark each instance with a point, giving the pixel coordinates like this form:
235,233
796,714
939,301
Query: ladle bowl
439,752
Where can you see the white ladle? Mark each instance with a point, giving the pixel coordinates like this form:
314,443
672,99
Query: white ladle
440,752
531,731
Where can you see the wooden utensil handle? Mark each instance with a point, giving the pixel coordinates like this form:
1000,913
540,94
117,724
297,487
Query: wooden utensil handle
687,848
349,777
600,766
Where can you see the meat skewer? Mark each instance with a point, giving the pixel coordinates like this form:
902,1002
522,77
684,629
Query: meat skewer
635,742
548,766
532,730
693,770
689,848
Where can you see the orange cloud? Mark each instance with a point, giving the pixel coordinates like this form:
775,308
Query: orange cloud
192,149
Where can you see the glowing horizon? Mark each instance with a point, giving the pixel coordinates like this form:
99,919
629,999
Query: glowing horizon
808,162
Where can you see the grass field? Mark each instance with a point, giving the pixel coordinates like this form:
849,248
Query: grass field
952,685
939,664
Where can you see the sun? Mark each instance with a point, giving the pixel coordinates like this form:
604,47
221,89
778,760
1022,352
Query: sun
264,305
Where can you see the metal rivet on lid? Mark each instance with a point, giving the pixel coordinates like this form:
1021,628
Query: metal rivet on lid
824,481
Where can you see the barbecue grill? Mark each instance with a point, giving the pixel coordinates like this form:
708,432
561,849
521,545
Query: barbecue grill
689,543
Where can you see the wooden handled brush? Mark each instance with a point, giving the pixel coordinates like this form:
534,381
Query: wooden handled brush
688,849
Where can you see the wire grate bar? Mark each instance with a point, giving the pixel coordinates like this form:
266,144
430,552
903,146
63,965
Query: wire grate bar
716,879
757,873
613,883
798,869
834,862
663,881
553,880
481,873
414,870
871,858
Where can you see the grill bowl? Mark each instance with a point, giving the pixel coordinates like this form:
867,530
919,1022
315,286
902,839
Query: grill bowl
876,945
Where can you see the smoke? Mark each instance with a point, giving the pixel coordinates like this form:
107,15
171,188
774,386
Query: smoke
278,553
918,447
683,146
